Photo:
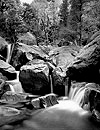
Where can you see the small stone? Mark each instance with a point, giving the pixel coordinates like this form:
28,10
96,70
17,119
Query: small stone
7,127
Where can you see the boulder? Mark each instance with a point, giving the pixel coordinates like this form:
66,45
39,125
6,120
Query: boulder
3,49
7,71
86,95
44,101
91,100
58,82
86,65
63,56
27,39
92,96
24,53
34,78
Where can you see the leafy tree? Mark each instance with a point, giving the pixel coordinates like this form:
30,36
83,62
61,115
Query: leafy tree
10,22
90,18
70,20
48,18
64,12
75,20
30,17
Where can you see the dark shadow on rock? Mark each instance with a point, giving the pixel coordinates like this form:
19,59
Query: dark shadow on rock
35,78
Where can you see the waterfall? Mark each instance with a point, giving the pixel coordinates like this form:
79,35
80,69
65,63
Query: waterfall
15,85
77,94
51,84
8,52
72,92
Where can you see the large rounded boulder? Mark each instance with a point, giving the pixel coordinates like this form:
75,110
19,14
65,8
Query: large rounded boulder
34,78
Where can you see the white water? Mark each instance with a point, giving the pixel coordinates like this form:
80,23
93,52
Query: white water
77,94
15,85
8,52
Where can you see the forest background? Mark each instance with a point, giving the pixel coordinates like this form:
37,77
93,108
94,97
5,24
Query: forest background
51,22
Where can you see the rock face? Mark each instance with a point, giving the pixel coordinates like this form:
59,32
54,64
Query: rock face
86,65
63,56
7,70
58,82
3,49
92,96
86,68
27,38
24,53
34,78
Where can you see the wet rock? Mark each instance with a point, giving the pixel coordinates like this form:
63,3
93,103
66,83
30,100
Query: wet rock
96,115
48,100
34,78
91,100
58,82
36,103
13,97
4,87
93,96
86,95
10,116
44,101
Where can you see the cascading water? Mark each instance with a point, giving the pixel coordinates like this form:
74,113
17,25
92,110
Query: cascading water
8,52
77,94
15,85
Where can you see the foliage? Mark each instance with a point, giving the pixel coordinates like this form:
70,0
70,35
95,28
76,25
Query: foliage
48,19
67,35
90,18
82,16
75,14
29,15
76,20
36,24
70,20
64,12
10,22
